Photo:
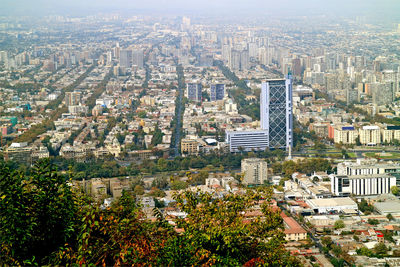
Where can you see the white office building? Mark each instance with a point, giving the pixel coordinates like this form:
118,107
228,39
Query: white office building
332,205
247,140
361,185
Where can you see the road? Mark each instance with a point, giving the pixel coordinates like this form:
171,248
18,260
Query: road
179,109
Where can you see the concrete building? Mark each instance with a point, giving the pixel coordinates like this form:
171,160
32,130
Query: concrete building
72,98
217,92
388,207
194,91
19,152
362,185
345,135
370,135
382,93
98,189
189,146
390,133
125,58
293,231
247,140
255,171
276,112
332,205
368,167
137,58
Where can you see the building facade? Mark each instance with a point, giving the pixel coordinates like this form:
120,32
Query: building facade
370,135
194,91
346,135
254,170
189,146
125,58
217,92
362,185
276,112
247,140
72,98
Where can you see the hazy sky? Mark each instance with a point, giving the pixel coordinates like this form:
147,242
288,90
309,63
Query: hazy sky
382,8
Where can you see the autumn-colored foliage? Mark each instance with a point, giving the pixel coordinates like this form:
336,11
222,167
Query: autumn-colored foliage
44,221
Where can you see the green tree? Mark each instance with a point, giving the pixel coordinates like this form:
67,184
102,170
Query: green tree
336,250
339,224
142,114
326,241
178,185
395,190
138,190
36,214
155,192
365,251
380,249
390,217
157,136
365,207
215,229
373,221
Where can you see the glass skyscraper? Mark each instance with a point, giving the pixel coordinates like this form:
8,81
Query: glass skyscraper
276,112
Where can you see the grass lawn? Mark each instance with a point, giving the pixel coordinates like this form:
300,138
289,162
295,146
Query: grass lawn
388,155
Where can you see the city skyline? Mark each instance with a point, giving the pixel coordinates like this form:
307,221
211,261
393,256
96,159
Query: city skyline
183,133
384,9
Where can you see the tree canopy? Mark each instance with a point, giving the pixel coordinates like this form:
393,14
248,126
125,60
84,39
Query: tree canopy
45,221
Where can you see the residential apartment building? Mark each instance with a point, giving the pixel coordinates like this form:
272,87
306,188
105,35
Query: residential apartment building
254,170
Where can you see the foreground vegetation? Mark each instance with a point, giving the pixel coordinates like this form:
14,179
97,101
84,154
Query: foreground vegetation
45,221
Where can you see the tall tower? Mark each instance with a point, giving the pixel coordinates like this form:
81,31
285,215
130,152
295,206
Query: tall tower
194,91
276,112
217,92
137,58
125,59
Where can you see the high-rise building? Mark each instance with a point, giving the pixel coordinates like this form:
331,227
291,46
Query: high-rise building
234,60
276,112
254,170
253,50
185,23
109,58
226,52
72,98
3,56
370,135
193,91
125,58
137,59
346,135
217,92
382,93
244,60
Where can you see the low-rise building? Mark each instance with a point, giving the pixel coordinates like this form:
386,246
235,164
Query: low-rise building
362,185
332,205
293,231
189,146
247,140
